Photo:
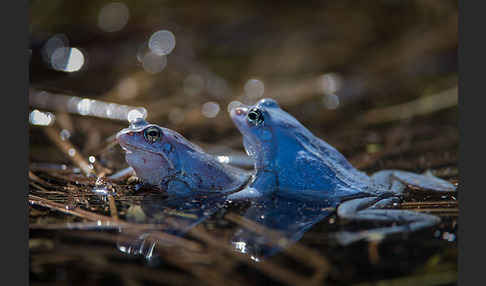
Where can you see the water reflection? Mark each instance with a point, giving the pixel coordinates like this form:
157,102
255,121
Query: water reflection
289,217
280,218
173,215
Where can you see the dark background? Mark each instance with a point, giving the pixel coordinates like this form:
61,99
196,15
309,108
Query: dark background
379,54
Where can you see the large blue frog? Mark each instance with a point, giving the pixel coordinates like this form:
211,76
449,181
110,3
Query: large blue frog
293,162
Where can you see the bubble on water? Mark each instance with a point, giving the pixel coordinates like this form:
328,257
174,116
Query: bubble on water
154,63
92,159
254,88
113,17
210,109
331,101
193,84
162,42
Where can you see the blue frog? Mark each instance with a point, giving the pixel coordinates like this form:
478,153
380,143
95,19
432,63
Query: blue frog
293,162
165,159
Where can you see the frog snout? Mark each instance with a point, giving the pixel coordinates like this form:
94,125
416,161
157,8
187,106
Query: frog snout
120,135
240,111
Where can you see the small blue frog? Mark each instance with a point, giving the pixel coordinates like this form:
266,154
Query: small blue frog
290,160
165,159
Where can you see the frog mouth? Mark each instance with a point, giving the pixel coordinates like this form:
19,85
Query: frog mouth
129,148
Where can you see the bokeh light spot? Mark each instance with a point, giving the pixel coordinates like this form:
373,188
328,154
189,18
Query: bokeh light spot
37,117
330,83
137,113
331,101
254,88
210,109
193,84
153,63
162,42
54,42
113,17
67,59
176,116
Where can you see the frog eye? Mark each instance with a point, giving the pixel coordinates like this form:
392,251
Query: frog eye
152,134
255,116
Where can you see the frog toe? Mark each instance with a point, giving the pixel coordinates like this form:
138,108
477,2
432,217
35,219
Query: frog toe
426,182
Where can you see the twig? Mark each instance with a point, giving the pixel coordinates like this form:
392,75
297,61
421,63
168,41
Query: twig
113,210
69,150
74,211
421,106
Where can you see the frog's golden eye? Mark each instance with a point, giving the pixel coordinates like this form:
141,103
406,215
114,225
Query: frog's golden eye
152,134
255,116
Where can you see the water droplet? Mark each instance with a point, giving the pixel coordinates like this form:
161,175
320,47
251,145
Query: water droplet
65,134
136,114
71,152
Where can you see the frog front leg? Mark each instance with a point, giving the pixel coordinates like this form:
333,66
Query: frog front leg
262,184
373,209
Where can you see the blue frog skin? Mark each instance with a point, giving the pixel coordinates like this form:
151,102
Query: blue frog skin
164,159
293,162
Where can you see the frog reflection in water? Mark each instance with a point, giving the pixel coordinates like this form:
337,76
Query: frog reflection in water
292,162
165,159
289,217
